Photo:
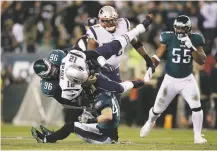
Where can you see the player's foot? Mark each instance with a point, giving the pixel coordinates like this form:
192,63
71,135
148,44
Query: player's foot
45,131
148,20
37,135
198,139
145,130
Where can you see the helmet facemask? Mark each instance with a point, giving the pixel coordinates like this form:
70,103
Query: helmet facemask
182,26
108,18
46,69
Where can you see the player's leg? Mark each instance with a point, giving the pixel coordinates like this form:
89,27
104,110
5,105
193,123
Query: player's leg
165,95
191,94
91,134
48,136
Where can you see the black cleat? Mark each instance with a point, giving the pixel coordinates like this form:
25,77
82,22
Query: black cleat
37,135
45,131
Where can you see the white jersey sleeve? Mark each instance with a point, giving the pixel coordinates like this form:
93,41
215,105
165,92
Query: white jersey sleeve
71,90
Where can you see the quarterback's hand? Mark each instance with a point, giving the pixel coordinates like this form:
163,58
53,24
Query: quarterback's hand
148,75
148,20
108,67
187,41
137,83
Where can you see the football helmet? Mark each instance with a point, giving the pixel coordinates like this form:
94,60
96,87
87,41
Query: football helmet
45,69
108,18
76,74
182,26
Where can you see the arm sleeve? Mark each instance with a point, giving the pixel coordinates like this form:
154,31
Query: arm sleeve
91,34
198,40
104,83
109,49
164,37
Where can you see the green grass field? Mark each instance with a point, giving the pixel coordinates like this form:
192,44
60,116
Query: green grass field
20,138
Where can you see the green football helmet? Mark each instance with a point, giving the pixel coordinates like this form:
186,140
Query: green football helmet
45,69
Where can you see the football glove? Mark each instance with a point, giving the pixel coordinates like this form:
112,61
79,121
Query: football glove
148,75
148,20
87,117
187,41
149,63
137,83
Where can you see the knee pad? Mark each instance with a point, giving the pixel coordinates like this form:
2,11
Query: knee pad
196,109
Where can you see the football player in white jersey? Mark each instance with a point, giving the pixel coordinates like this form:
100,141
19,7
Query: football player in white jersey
75,70
109,27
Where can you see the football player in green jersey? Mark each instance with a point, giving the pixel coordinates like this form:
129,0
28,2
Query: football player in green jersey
179,48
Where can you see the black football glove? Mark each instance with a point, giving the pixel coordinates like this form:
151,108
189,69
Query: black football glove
137,83
148,20
149,63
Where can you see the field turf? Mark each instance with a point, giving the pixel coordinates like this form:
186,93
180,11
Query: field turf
16,138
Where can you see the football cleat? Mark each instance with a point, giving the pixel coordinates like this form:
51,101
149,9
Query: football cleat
145,130
37,135
45,131
199,140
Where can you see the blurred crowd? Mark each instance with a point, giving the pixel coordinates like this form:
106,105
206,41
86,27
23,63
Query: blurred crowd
38,26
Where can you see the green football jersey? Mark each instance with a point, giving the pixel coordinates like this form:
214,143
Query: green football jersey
107,99
49,87
56,56
178,56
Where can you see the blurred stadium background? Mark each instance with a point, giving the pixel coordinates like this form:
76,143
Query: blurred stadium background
31,29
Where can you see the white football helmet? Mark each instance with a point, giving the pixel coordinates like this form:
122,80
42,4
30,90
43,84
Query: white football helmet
108,18
77,74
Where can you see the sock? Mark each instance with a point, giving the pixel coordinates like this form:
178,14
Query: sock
130,35
61,133
152,116
197,119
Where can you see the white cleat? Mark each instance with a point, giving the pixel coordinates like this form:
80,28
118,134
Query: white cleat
199,140
145,130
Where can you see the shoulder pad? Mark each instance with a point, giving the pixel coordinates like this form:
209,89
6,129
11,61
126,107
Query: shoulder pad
197,39
166,36
49,87
56,56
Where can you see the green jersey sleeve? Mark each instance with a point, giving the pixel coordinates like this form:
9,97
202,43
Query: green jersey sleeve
56,56
197,39
49,87
165,37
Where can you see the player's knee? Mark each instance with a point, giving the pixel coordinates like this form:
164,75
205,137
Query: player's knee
196,109
158,109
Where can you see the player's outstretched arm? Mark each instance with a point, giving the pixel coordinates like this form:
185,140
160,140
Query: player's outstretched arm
137,44
155,60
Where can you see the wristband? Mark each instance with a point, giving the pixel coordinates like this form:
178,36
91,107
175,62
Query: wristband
156,57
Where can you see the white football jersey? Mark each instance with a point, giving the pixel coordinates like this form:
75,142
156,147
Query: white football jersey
71,90
102,37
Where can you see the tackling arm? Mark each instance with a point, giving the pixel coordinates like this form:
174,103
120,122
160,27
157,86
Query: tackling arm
106,115
141,50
